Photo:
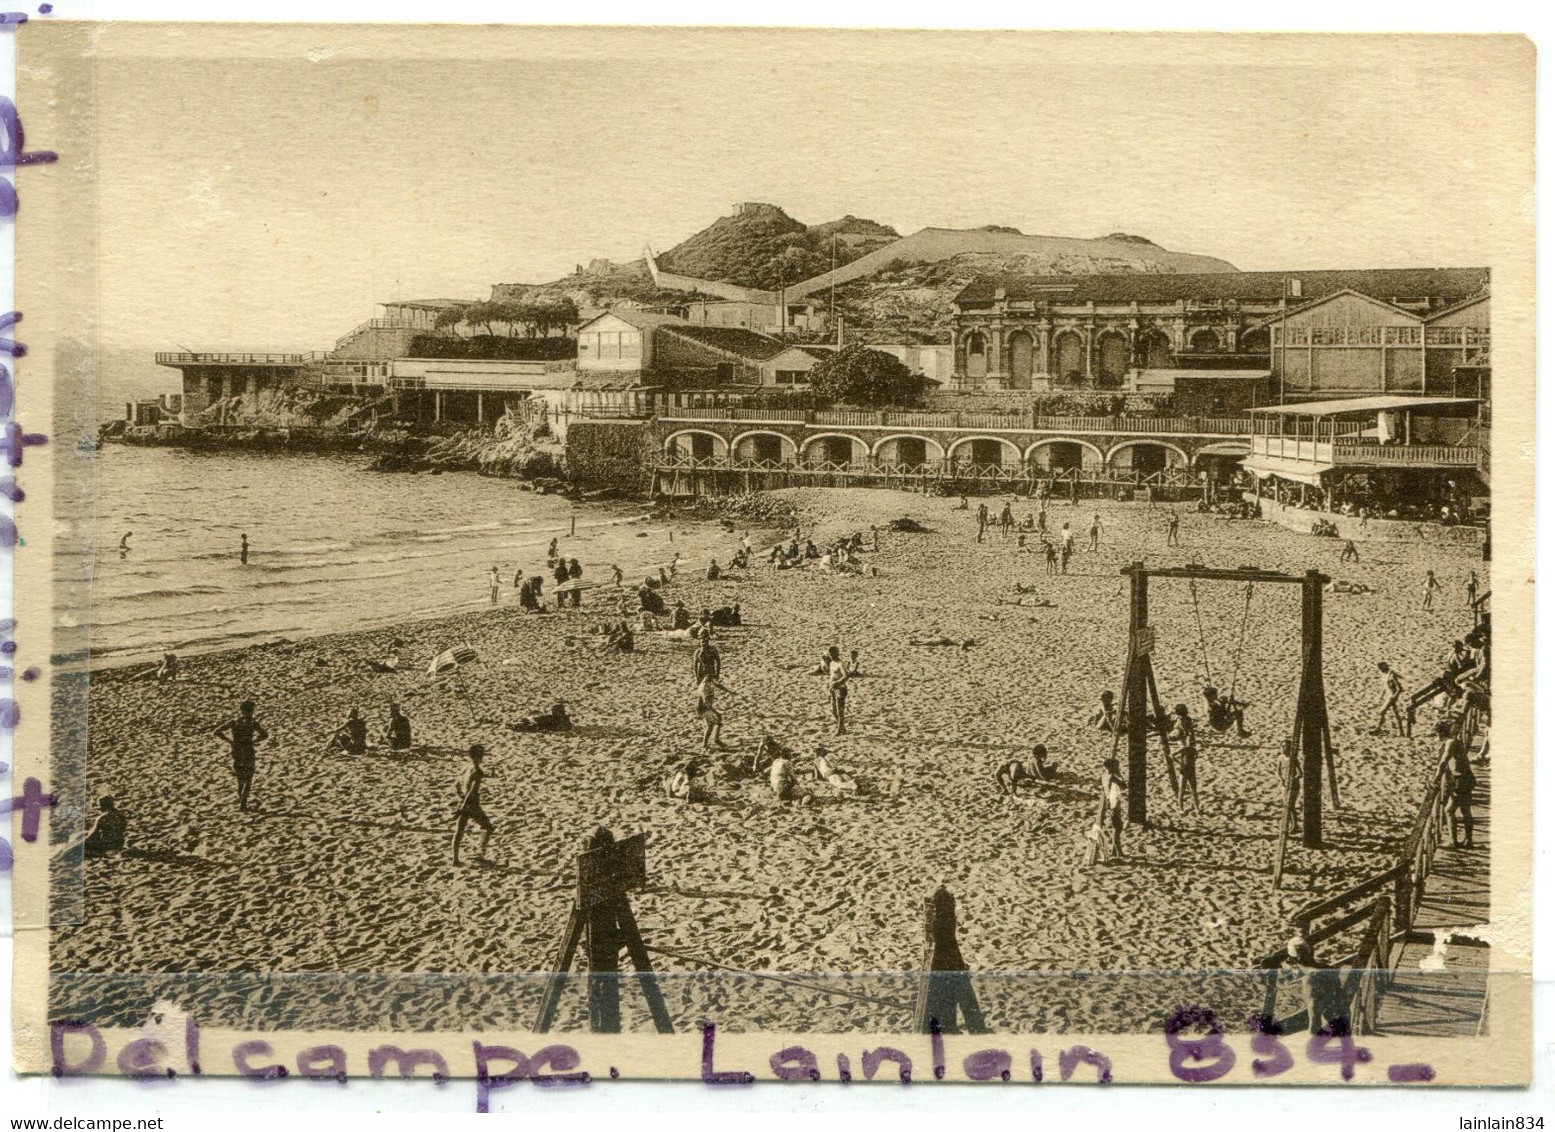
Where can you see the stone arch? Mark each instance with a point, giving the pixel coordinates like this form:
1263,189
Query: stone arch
1031,450
1204,340
1182,456
806,450
1023,357
720,445
1155,349
976,346
937,454
1112,355
1068,353
1255,341
788,451
1006,444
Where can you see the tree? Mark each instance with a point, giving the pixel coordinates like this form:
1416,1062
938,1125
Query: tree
858,375
449,317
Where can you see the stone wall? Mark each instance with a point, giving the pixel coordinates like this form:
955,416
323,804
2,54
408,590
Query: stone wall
613,454
1300,520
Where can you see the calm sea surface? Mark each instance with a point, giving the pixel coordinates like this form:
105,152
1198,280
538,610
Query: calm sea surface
332,546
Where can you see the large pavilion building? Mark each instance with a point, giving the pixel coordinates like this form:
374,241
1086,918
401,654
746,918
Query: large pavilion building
1313,333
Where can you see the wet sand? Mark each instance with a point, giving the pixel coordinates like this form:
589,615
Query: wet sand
342,864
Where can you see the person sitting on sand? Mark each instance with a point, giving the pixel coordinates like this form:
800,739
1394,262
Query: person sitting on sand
1105,717
713,572
681,785
649,599
468,787
108,831
725,616
555,720
620,638
1224,711
708,713
785,784
740,561
397,733
350,737
682,616
1036,770
810,551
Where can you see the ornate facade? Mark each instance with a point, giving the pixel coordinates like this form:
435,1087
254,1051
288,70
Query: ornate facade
1033,332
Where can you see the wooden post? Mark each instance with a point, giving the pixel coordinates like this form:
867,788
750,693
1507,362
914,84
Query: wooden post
944,987
1136,691
1311,711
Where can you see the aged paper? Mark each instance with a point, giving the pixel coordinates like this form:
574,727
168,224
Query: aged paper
540,590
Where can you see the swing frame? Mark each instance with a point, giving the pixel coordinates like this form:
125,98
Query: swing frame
1140,704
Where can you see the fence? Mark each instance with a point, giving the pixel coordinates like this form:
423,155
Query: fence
1390,915
1005,422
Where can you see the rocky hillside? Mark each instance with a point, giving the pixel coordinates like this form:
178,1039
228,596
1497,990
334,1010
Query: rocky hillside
888,286
762,246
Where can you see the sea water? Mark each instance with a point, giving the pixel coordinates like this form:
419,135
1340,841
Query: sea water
332,546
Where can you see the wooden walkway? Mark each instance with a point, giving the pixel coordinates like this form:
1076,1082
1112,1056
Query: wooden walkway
1447,998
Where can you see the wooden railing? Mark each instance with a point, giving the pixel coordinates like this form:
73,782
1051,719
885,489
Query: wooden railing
1347,452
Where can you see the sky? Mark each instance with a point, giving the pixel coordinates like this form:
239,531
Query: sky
266,196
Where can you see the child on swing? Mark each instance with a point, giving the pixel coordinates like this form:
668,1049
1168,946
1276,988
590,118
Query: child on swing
1224,711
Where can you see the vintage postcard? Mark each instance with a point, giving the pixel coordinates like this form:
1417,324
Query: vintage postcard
555,555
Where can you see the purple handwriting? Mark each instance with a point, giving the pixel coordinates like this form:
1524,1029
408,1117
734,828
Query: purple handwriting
13,145
1198,1052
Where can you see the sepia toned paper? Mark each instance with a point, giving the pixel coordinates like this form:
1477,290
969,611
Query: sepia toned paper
227,196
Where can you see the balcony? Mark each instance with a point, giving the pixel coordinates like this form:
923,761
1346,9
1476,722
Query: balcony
1355,452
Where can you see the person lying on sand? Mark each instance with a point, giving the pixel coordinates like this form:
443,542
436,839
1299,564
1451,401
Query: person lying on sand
1026,602
387,664
724,616
350,737
1036,770
829,774
397,732
618,638
554,720
1343,587
943,642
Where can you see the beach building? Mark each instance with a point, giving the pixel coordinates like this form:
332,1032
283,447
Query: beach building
1041,331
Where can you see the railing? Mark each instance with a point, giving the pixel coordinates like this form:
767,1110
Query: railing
165,358
1174,478
1391,914
375,324
992,421
1349,452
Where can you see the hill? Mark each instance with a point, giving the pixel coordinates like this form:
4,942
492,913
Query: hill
887,285
762,246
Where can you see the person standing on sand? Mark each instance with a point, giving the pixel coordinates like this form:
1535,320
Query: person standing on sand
1006,521
468,787
550,554
561,577
616,575
1096,531
1392,689
1112,803
240,735
708,713
1471,587
706,661
837,675
494,581
982,520
1349,553
242,550
1431,586
1172,523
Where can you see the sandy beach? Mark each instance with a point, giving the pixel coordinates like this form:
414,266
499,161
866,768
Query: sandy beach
342,864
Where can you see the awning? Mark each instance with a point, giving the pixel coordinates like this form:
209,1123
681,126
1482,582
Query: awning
1346,405
1298,471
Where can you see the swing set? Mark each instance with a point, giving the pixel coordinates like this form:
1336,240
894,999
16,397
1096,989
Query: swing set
1310,747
